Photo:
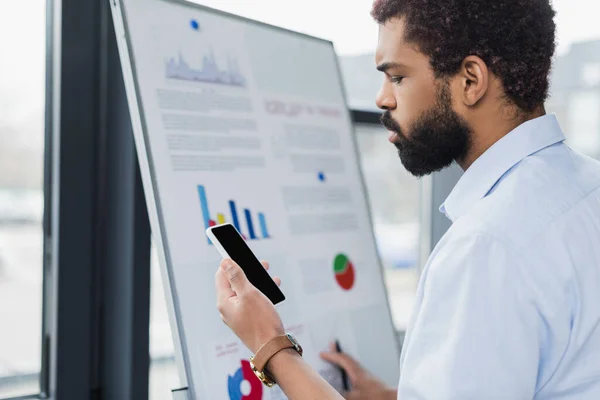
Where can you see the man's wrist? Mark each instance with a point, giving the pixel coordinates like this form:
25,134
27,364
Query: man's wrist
280,359
261,340
392,394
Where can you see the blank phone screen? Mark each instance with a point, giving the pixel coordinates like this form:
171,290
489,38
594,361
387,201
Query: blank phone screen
239,252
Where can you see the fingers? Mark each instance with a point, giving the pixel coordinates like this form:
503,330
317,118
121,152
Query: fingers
235,276
344,361
224,291
267,266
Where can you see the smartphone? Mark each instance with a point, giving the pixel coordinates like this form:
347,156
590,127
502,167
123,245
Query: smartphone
230,244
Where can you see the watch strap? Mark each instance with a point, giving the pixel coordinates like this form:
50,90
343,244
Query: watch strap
269,349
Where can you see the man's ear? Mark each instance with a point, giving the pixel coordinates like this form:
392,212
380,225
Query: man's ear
474,77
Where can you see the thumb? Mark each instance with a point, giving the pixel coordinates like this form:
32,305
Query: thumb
235,275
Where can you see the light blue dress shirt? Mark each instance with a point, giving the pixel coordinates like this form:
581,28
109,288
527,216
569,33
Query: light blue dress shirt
508,306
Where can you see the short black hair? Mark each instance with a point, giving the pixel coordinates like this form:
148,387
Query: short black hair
515,38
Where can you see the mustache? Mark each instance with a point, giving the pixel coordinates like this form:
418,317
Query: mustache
388,122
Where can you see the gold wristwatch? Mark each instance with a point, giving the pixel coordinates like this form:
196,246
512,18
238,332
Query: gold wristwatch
267,351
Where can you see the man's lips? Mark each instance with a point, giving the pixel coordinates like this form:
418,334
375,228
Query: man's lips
393,137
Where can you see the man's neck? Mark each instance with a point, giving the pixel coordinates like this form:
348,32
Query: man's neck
490,130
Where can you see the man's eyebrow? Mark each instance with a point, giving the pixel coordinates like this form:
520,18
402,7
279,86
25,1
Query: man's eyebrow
388,65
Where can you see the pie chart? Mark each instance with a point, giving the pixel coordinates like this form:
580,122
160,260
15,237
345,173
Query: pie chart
244,375
344,271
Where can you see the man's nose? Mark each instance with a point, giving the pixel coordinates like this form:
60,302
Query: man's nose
385,98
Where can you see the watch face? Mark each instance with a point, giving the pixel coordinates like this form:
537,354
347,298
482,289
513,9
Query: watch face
292,339
295,343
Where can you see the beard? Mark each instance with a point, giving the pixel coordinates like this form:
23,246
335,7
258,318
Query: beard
437,138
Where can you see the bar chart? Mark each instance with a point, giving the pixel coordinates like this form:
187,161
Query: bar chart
250,230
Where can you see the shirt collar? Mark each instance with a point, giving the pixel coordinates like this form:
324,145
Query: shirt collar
490,167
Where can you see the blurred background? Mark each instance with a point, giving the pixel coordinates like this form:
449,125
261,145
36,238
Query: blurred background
395,196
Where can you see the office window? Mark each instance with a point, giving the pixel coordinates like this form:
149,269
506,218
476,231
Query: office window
395,209
583,123
575,80
591,74
22,77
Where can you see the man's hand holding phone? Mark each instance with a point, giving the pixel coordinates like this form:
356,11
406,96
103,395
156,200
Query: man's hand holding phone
246,293
247,311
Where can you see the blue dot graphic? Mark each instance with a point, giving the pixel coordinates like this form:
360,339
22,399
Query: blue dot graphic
321,176
195,25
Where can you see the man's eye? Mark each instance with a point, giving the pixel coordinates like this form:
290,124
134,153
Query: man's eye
397,79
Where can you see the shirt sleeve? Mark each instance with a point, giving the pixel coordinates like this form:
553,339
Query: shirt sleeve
477,333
